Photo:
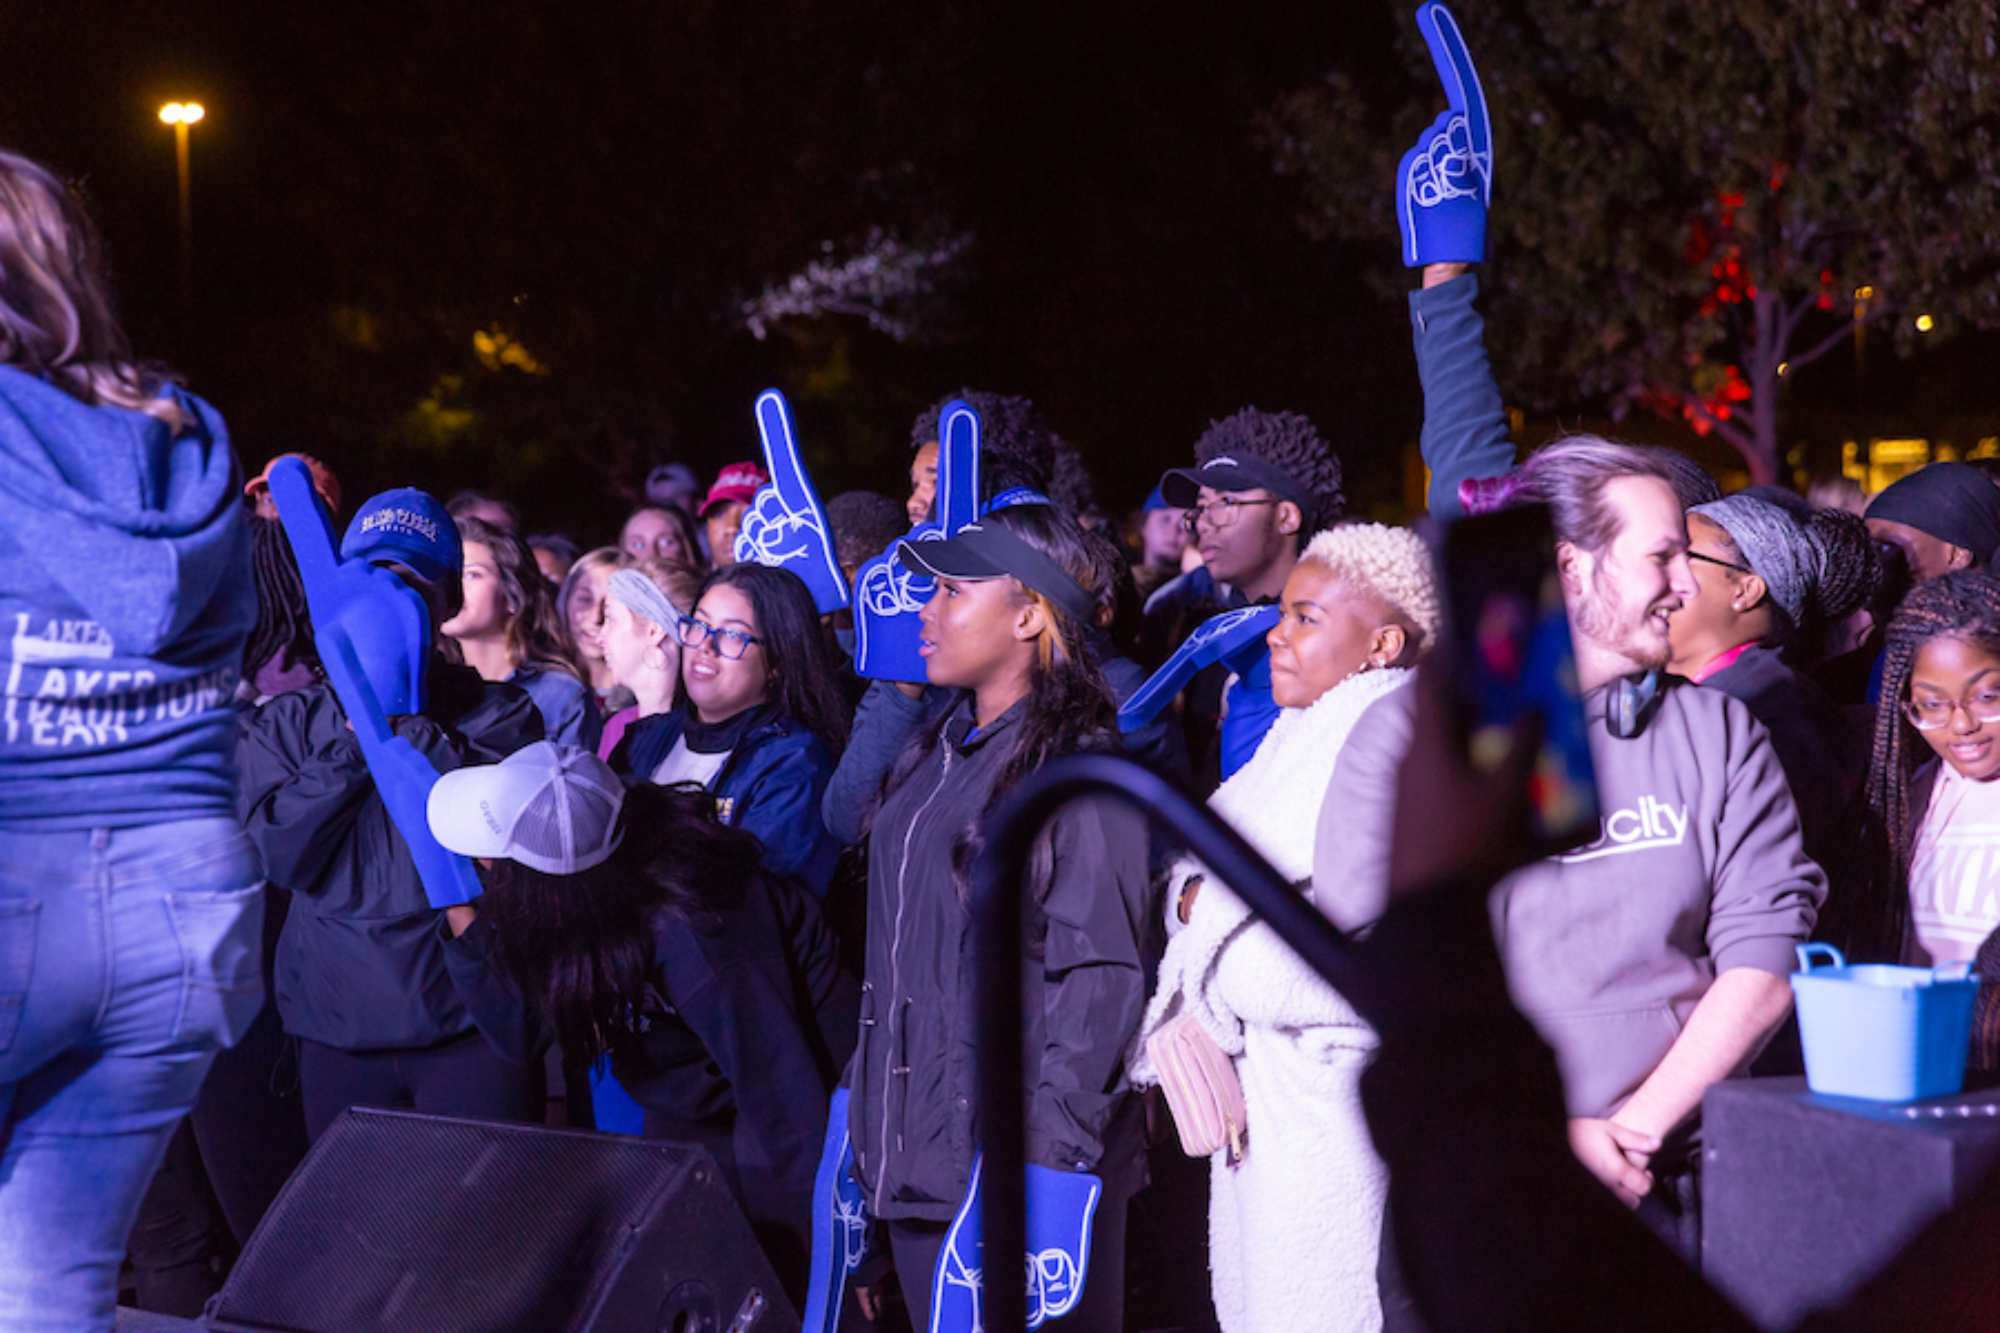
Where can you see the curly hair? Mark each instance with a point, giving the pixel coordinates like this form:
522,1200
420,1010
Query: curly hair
1390,564
1963,605
1290,443
283,631
1069,479
864,524
1016,446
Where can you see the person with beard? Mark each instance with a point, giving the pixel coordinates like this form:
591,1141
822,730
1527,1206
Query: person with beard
1263,483
1654,959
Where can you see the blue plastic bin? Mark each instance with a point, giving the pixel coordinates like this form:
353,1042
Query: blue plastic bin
1887,1034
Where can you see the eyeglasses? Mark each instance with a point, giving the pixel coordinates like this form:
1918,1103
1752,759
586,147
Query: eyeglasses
1717,560
1936,714
729,643
1220,512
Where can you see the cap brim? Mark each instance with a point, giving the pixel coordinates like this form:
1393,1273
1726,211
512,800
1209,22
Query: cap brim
948,559
1181,487
471,810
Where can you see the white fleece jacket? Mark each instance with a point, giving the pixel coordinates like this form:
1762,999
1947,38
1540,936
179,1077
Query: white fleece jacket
1294,1227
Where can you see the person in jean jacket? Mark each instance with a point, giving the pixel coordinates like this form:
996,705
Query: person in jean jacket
131,903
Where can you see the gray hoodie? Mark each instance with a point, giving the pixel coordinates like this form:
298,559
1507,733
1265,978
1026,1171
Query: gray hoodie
1608,948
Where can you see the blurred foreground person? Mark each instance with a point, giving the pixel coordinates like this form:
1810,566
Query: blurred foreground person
131,902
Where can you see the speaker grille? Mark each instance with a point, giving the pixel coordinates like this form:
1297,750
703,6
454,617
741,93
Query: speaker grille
398,1221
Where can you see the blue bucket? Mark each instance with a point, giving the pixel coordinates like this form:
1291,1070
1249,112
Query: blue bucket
1888,1034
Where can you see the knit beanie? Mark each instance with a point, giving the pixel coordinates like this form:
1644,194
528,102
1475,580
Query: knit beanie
1776,547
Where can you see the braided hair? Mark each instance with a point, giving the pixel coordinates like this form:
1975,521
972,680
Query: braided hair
1963,605
283,631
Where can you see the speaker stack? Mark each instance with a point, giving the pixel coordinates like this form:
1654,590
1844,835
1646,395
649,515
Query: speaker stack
401,1221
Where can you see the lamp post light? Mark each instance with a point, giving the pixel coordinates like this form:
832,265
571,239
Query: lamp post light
183,116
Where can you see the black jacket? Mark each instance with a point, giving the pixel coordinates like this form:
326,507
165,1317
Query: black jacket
913,1078
358,964
748,1020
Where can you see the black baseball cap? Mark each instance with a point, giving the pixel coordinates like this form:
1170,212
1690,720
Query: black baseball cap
1181,486
984,550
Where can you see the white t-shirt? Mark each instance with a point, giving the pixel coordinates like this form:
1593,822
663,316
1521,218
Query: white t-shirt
685,765
1955,871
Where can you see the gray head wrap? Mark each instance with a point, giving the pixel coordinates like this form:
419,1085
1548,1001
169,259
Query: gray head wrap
642,597
1779,550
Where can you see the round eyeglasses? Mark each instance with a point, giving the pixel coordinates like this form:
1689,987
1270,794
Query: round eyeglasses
1936,714
729,643
1220,512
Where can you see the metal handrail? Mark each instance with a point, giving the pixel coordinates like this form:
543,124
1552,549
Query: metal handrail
996,907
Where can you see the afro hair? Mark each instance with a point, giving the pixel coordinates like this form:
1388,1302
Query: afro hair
1016,447
1288,442
1391,564
1069,479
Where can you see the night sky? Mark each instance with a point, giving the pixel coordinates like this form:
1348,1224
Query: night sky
604,183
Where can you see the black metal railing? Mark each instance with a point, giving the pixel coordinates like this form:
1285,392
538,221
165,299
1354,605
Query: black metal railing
996,907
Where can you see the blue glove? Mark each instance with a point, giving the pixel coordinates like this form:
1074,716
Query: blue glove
840,1223
786,526
1061,1207
373,633
1234,638
888,596
1445,182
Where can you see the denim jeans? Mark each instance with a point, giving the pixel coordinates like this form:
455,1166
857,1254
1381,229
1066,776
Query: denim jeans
128,957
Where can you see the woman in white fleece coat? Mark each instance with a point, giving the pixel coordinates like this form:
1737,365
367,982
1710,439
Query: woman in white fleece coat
1295,1222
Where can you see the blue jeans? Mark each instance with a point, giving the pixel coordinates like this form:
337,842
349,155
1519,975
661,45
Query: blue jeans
128,957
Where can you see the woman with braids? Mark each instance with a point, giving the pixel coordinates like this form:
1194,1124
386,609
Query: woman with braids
1006,628
1767,585
640,929
1931,778
508,631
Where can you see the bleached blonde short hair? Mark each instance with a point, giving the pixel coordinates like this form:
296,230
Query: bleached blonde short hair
1390,564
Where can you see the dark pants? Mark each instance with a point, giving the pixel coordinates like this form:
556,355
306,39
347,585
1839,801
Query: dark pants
179,1247
463,1076
250,1121
914,1246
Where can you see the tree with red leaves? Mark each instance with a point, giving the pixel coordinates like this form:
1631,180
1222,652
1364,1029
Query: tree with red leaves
1697,202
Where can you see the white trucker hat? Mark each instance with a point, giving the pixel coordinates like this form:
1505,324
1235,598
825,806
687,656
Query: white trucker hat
552,808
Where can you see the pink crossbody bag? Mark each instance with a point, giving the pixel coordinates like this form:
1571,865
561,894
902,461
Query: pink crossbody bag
1201,1087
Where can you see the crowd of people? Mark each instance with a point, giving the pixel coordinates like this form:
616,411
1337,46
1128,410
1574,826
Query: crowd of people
725,875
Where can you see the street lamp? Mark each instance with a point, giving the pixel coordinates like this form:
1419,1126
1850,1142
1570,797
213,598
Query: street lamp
183,116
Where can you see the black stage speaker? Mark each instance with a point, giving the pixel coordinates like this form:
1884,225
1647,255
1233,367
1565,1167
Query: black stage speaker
1804,1198
406,1222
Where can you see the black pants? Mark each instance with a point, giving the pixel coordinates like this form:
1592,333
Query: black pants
914,1246
251,1123
463,1076
179,1246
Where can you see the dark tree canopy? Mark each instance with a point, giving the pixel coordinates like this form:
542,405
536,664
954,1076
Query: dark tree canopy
1697,201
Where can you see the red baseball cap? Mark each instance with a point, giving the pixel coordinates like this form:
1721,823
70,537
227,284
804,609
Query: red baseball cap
738,481
328,486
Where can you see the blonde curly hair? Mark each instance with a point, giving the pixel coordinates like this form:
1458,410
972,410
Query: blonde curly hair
1390,564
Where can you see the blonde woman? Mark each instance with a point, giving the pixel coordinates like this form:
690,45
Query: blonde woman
580,611
1294,1222
637,630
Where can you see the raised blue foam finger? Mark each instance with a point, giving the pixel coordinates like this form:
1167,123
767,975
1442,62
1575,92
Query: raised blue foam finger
1462,88
786,526
958,466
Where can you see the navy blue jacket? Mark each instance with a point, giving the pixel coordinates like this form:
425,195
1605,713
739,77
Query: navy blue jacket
771,785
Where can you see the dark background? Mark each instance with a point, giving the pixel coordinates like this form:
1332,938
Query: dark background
606,182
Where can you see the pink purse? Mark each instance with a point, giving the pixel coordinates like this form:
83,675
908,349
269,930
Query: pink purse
1202,1091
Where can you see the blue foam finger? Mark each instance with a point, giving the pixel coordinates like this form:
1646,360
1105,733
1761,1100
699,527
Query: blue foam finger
841,1226
1220,636
373,633
1061,1206
1462,88
889,596
786,526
